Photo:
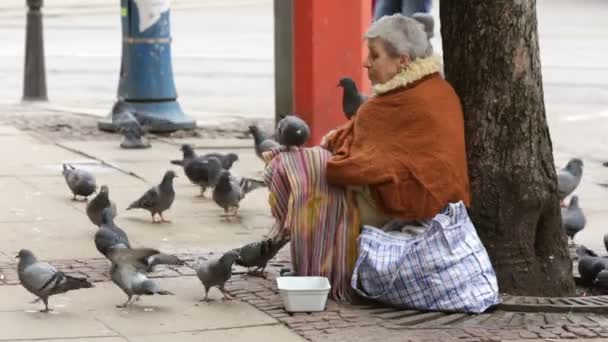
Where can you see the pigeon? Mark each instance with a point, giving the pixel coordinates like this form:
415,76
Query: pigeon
582,251
108,235
123,117
188,153
601,282
351,98
158,198
98,204
261,142
204,170
573,218
81,182
588,268
225,159
292,131
216,272
569,178
43,280
606,241
257,254
230,190
126,273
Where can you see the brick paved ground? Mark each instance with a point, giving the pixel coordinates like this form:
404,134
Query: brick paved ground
344,322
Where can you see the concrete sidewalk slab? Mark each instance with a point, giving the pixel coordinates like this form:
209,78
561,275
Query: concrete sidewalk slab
84,339
255,334
48,239
23,202
92,313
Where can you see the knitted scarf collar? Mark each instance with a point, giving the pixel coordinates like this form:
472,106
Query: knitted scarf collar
416,70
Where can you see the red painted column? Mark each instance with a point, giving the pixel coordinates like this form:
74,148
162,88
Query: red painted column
328,45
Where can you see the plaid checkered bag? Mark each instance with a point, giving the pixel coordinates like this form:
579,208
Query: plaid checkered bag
445,268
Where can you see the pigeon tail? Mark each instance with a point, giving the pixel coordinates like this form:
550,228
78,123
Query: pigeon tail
66,283
164,259
249,184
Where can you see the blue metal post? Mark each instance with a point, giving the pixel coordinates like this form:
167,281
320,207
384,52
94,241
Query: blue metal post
146,74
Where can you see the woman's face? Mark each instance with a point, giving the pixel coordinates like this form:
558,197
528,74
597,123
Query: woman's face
381,67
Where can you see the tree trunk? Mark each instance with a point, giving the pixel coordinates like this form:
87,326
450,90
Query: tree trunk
492,59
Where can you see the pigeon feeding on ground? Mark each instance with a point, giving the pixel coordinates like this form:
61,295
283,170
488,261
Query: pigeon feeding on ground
81,182
589,267
158,198
230,190
203,171
225,159
573,218
128,276
292,131
569,178
261,142
215,273
43,280
99,203
123,117
600,283
257,254
188,153
109,237
351,98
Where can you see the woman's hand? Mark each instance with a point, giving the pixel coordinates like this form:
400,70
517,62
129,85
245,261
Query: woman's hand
326,137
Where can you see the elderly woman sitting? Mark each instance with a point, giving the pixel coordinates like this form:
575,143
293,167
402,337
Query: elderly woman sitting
402,156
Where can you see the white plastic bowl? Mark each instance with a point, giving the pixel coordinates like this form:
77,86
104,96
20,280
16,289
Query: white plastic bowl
303,294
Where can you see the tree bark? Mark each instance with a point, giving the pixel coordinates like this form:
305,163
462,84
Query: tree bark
491,56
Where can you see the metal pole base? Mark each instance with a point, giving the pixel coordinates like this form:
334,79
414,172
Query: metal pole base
157,117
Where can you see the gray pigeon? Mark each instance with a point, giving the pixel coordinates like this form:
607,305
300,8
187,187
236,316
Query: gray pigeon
606,241
573,218
226,159
582,251
81,182
108,235
292,131
43,280
158,198
569,178
204,170
126,274
216,272
351,98
230,190
188,154
257,254
98,204
589,267
123,117
261,142
600,284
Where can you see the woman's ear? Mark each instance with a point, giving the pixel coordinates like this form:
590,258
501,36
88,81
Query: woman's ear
404,61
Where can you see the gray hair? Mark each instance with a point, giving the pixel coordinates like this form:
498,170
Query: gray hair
403,35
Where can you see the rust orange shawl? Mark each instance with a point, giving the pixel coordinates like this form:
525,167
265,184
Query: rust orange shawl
408,146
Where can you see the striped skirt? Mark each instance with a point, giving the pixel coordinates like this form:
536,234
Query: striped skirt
321,220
